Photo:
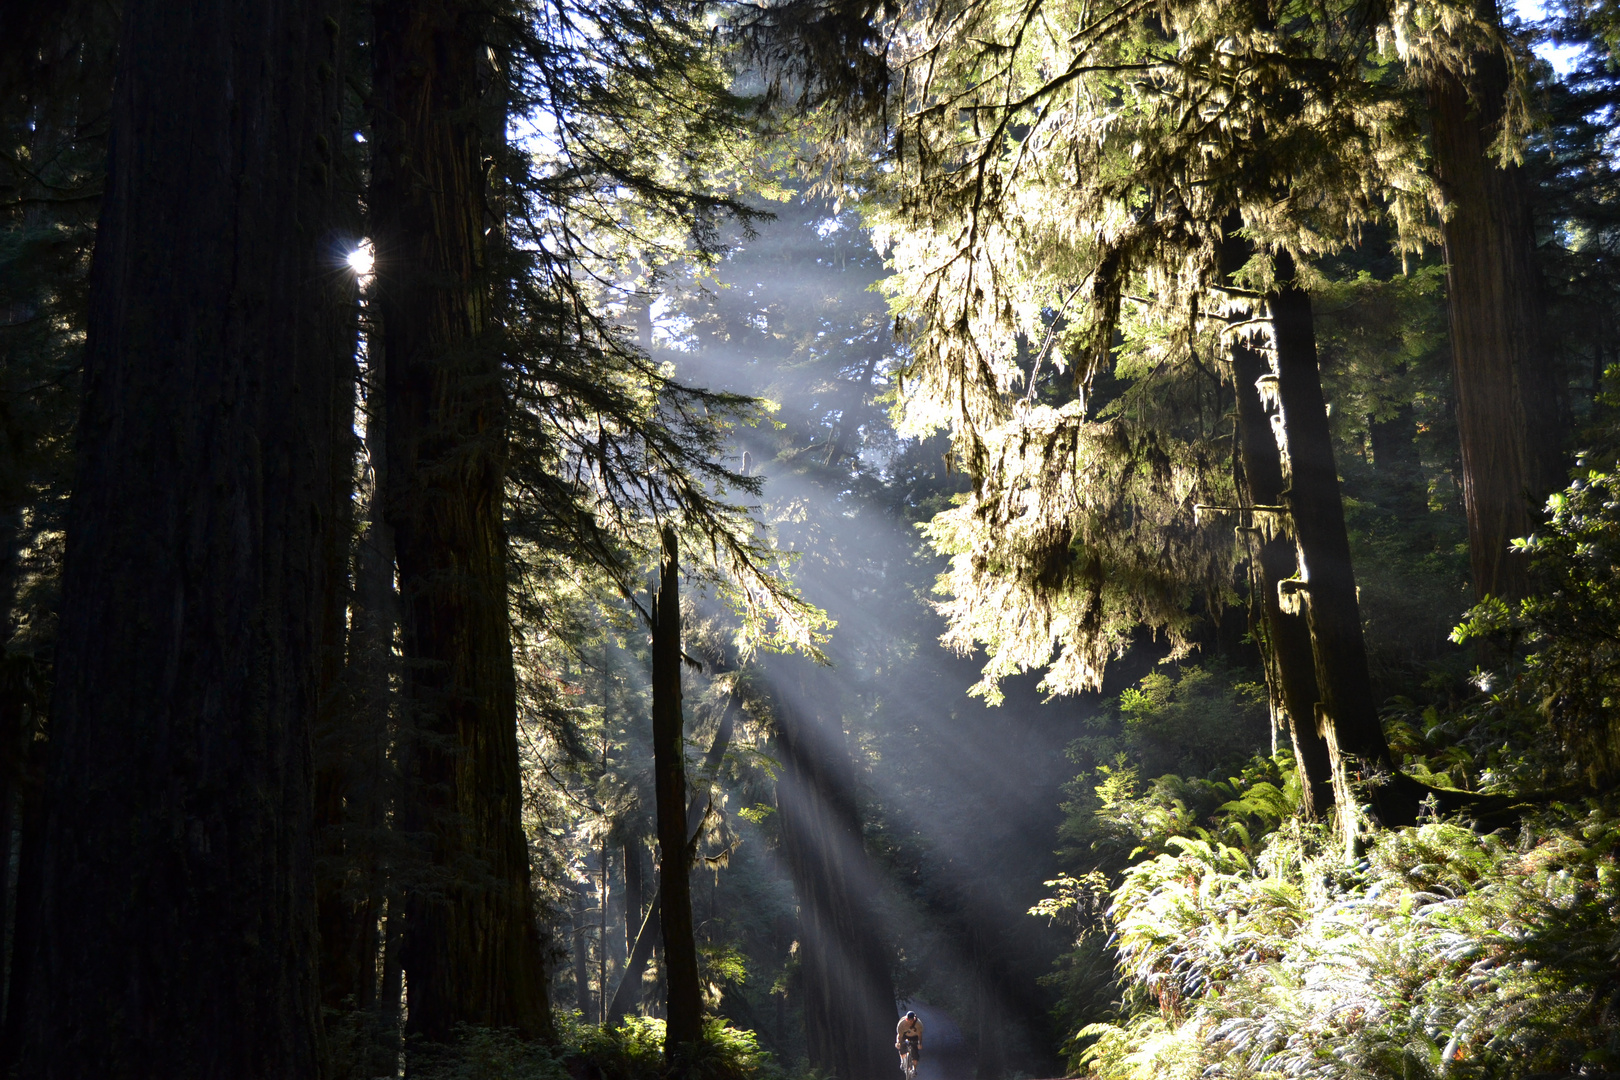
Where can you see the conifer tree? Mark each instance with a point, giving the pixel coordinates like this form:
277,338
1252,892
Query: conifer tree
1506,385
175,908
1058,192
472,954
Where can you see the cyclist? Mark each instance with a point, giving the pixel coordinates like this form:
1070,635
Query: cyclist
908,1038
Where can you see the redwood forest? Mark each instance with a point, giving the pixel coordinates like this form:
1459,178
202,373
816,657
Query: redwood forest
657,539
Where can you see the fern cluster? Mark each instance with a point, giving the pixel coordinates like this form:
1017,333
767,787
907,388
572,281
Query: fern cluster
1445,953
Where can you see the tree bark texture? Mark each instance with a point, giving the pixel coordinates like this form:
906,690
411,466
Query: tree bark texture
1507,402
1325,588
472,948
847,987
1285,635
684,1005
176,910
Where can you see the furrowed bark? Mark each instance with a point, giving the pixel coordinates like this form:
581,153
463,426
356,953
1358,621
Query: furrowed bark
176,918
1507,402
471,947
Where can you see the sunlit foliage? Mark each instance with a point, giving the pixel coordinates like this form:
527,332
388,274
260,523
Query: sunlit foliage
1444,954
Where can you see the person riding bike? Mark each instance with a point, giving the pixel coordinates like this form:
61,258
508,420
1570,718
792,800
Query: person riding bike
908,1038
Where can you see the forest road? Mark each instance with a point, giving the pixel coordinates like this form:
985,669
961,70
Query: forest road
945,1051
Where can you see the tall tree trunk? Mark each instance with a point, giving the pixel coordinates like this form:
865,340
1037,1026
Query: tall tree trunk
176,907
472,948
25,928
1325,587
848,991
1285,634
582,955
640,948
684,1008
1507,402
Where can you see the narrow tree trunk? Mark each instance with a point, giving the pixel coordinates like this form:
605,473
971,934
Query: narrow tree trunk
1396,463
634,905
684,1008
472,950
848,991
1507,403
1347,713
640,948
582,956
1285,635
176,906
602,896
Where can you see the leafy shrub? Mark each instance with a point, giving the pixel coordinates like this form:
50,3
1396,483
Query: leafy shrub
1445,954
1571,625
632,1051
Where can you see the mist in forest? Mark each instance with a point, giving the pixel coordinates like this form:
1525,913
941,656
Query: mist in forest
630,540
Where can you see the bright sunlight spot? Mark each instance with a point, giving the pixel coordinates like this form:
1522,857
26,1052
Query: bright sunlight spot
362,260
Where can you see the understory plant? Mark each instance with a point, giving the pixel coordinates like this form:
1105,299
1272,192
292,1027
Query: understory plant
1445,953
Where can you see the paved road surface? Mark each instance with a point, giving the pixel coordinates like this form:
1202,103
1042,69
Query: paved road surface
945,1052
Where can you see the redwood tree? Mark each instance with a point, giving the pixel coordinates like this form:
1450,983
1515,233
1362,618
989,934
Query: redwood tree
1507,403
175,914
472,947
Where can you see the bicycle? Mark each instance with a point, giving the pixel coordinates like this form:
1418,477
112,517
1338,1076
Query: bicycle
910,1055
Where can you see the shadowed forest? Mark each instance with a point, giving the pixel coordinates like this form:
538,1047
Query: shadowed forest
643,539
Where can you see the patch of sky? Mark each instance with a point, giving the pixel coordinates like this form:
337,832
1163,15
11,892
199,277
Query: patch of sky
1563,58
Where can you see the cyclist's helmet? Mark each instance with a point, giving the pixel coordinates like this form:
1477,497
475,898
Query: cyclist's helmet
911,1016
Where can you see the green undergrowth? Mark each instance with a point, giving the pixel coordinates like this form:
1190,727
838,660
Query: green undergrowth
1445,953
632,1051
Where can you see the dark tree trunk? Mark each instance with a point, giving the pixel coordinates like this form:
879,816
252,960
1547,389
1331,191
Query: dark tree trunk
848,991
176,906
25,928
684,1004
1284,635
639,950
1507,401
1325,588
1397,465
472,949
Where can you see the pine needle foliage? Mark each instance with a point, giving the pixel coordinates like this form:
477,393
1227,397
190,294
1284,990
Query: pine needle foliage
626,149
